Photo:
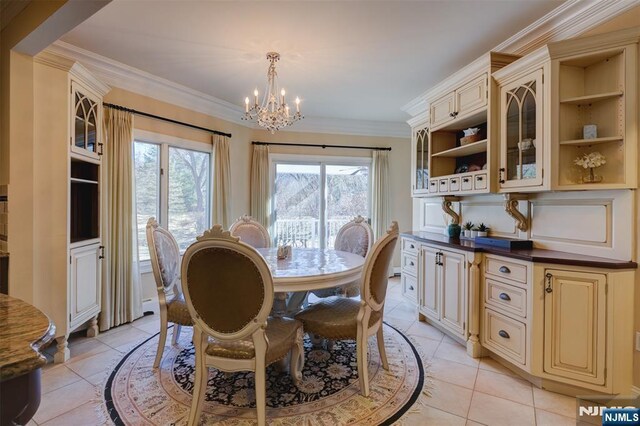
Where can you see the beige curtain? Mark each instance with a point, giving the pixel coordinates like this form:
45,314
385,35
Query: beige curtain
380,193
121,297
221,200
260,196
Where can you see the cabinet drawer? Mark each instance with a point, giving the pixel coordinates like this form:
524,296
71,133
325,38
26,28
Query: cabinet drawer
472,96
466,183
505,269
433,185
443,185
480,181
442,110
409,264
409,246
454,184
506,336
505,298
409,287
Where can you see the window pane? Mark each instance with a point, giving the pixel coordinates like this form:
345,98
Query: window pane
347,197
147,175
297,205
188,194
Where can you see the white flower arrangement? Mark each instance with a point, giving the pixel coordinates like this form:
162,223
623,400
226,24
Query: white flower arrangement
591,160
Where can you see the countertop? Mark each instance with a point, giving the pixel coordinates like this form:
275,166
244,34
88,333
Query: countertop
531,255
23,330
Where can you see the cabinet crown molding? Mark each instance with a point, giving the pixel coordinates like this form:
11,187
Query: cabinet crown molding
578,46
420,118
524,65
76,70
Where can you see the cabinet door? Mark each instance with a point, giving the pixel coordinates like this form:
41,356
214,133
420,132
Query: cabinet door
453,291
421,161
574,325
430,282
521,137
85,283
441,110
86,122
471,96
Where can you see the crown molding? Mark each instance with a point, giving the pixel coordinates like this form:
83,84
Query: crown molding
418,119
75,69
572,18
117,74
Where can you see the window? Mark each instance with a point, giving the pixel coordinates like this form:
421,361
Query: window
312,200
172,184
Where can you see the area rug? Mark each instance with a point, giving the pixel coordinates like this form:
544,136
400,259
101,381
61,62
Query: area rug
136,394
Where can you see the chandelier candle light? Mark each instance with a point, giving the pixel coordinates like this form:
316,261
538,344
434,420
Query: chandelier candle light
273,113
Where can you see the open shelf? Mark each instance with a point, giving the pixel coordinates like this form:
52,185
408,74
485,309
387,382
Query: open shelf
463,151
78,180
593,141
589,99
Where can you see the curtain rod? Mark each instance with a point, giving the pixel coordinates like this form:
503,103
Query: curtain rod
375,148
168,120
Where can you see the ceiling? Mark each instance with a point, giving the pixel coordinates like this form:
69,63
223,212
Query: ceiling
358,60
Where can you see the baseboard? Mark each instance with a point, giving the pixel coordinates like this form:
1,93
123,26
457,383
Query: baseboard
396,271
635,390
150,305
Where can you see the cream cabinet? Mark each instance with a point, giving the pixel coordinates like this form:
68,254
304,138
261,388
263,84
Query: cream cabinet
420,163
442,278
521,132
460,103
575,325
85,280
86,124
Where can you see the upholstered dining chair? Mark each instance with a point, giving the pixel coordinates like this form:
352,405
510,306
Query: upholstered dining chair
339,318
355,236
165,262
229,292
251,232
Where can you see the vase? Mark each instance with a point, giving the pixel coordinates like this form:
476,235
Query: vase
454,231
592,177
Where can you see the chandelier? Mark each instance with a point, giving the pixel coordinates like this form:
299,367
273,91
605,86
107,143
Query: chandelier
273,113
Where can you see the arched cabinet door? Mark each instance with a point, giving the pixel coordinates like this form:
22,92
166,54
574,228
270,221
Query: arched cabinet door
420,167
86,116
521,133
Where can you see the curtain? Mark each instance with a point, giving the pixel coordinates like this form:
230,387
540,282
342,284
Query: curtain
259,189
380,193
221,197
121,297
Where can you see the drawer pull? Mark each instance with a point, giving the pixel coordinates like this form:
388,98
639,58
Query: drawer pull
504,270
412,246
504,334
504,296
465,180
479,178
411,288
442,182
411,263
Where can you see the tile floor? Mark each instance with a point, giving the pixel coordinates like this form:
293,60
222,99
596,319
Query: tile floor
466,391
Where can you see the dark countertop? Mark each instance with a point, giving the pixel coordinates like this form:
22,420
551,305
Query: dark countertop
23,330
531,255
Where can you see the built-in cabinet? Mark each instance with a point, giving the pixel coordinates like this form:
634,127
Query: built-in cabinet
69,119
420,164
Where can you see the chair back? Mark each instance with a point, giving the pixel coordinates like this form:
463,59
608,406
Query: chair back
227,285
251,232
165,257
355,237
375,272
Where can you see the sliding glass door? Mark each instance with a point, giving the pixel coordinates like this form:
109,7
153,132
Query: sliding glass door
312,200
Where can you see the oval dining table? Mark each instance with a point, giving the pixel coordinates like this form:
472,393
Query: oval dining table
308,269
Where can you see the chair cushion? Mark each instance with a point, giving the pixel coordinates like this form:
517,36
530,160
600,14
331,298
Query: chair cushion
334,318
281,333
177,311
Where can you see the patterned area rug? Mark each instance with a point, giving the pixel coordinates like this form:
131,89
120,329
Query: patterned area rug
136,394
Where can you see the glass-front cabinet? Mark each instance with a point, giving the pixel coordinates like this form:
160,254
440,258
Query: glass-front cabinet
521,137
420,172
85,128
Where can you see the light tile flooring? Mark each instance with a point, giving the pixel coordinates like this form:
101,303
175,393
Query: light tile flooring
465,391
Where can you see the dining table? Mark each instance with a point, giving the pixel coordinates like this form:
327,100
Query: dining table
308,269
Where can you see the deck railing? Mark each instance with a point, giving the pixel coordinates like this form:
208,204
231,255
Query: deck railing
305,232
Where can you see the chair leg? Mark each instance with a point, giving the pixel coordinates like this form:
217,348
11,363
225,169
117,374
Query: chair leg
200,381
261,391
296,362
176,334
162,340
363,368
381,348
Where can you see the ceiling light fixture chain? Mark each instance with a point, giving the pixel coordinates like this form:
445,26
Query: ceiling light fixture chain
273,113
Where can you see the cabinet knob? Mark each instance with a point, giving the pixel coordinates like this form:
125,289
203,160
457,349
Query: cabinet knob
412,246
411,263
479,178
504,296
465,180
411,288
504,334
504,270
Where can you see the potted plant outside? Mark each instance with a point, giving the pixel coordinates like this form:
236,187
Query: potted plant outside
468,226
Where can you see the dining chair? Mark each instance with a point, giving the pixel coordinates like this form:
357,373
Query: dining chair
251,232
339,318
356,236
165,262
229,292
